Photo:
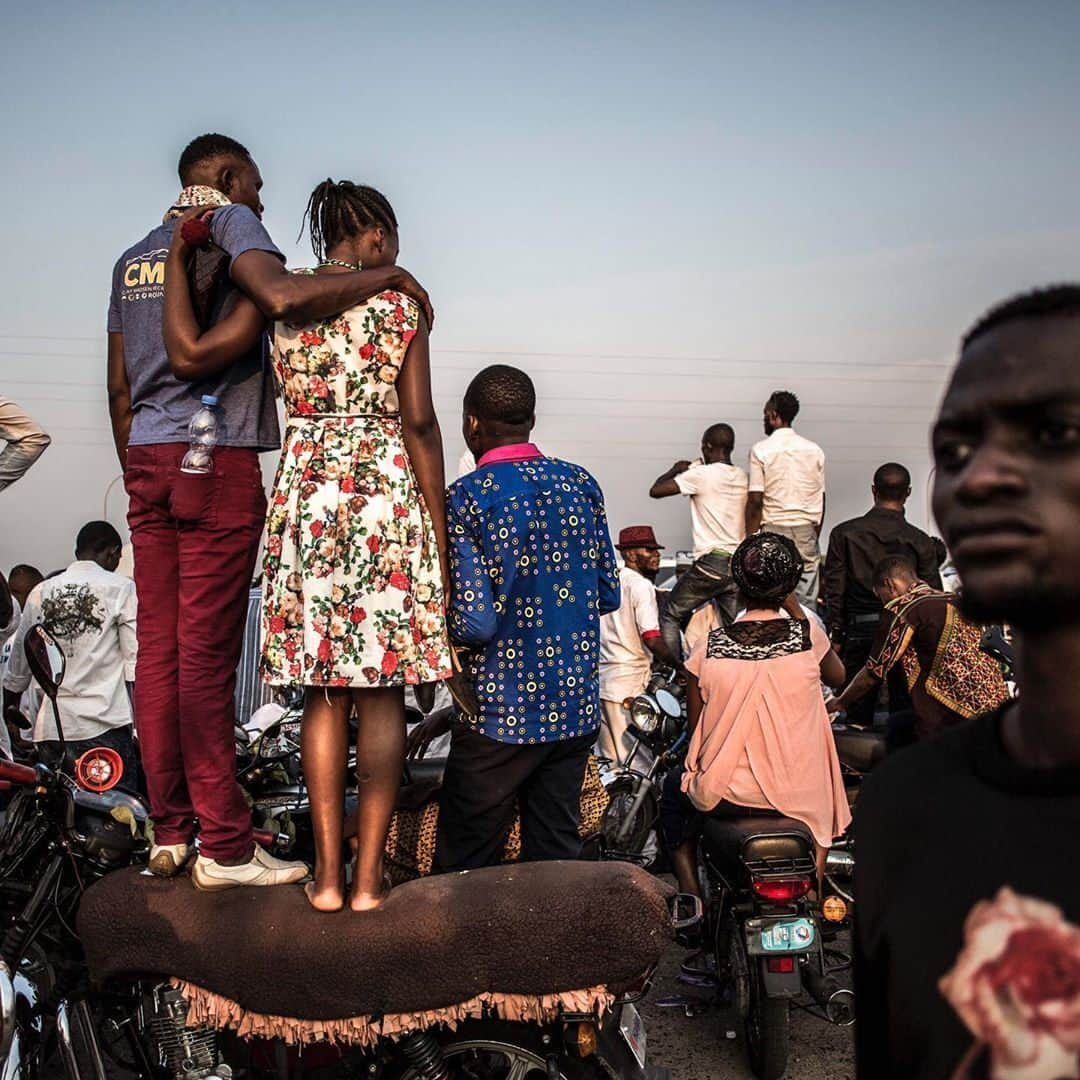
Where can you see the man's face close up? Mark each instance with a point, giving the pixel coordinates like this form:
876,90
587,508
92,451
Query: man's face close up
1007,480
645,560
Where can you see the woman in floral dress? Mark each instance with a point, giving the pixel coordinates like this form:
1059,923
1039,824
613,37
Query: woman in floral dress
356,537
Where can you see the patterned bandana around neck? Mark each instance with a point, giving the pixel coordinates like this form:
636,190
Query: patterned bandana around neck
195,195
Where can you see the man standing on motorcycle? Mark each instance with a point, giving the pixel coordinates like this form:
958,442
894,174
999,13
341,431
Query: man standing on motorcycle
532,571
968,887
195,539
717,491
629,639
787,488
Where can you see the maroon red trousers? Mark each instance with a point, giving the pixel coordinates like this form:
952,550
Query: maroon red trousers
195,541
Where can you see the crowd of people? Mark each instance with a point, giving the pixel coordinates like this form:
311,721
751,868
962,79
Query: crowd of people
506,587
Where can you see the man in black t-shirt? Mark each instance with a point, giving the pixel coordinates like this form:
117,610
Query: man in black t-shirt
968,885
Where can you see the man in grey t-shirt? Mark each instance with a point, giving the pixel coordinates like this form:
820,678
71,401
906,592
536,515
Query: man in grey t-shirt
195,537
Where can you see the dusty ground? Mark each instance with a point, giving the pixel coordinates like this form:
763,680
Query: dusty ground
695,1048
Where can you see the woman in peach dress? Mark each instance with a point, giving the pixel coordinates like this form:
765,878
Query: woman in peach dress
761,737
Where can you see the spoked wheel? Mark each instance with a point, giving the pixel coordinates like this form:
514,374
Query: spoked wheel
483,1059
504,1050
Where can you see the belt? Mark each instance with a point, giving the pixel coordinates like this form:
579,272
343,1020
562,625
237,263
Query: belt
344,416
863,620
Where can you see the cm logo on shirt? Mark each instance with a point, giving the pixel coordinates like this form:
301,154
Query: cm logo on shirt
144,273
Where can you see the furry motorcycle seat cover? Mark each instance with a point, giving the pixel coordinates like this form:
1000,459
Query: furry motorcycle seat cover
521,941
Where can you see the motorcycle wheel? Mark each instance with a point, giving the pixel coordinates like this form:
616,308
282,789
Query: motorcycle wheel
494,1050
768,1034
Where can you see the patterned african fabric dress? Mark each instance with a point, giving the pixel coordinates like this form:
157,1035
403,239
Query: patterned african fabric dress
353,591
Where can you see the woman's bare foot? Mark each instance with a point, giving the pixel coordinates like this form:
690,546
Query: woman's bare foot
324,899
368,901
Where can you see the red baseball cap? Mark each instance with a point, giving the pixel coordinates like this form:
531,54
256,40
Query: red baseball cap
638,536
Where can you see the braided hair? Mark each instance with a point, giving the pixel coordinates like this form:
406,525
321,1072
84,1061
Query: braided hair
767,567
337,210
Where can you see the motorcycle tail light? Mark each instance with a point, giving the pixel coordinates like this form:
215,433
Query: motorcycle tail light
788,889
781,965
99,770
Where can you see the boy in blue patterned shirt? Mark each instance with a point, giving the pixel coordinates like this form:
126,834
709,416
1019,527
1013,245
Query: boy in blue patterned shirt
532,570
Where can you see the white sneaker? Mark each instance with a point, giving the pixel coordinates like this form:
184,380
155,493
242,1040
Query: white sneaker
271,862
167,860
211,876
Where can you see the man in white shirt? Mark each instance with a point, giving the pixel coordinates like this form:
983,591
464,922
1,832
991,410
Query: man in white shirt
26,442
787,488
91,611
717,491
466,463
629,638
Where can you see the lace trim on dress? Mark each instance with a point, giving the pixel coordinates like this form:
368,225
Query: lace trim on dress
759,640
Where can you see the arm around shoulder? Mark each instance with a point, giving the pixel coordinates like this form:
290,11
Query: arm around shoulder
299,298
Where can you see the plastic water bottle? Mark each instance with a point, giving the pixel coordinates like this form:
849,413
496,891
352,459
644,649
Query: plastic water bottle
203,433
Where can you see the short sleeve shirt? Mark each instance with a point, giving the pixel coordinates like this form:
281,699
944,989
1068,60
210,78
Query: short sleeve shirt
625,661
163,405
717,506
789,472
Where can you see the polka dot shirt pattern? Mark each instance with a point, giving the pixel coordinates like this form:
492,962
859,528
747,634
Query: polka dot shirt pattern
533,569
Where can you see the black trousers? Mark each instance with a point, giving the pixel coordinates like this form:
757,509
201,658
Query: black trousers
858,642
486,781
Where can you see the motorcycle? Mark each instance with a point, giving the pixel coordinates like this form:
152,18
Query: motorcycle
59,840
65,827
766,939
271,774
657,722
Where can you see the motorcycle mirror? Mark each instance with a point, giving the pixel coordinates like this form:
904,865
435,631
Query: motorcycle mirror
48,664
46,659
669,703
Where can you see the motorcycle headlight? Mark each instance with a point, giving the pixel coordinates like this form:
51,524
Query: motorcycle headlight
7,1010
644,714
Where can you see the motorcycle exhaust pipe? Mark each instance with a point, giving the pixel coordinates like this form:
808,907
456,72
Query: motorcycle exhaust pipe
80,1016
840,863
837,1001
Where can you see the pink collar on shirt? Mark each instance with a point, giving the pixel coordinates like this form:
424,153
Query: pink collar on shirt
524,451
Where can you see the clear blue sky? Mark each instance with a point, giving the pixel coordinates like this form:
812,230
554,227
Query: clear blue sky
673,208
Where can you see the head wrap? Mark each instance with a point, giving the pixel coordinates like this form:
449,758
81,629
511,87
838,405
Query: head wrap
767,567
195,195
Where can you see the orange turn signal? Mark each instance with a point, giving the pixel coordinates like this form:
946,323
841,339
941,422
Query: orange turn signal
586,1040
834,908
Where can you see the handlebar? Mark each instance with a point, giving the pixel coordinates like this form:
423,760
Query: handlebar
17,774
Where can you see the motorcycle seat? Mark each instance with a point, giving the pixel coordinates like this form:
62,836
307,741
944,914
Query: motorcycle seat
761,841
439,946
